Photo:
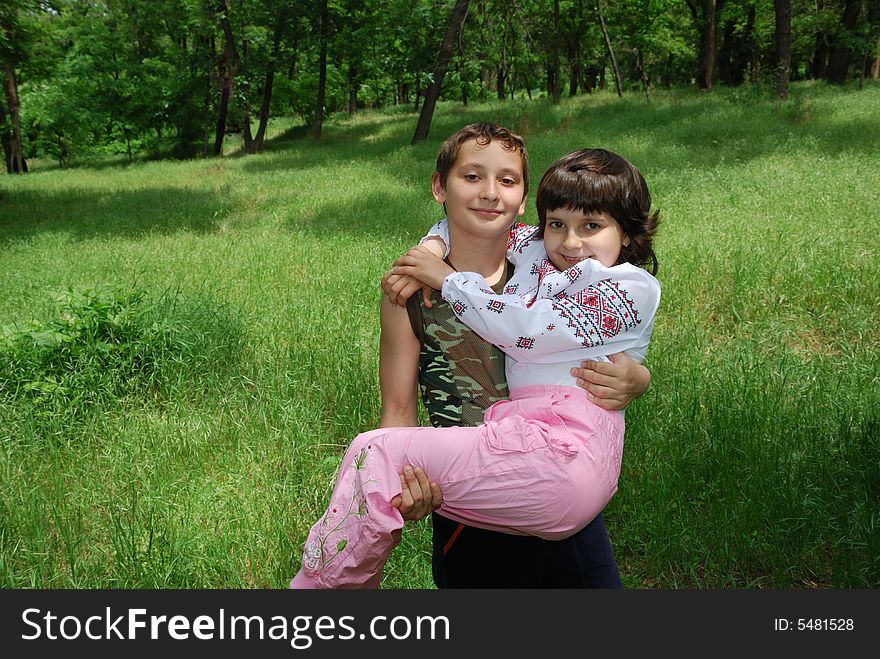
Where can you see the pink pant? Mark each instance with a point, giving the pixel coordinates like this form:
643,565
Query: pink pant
544,463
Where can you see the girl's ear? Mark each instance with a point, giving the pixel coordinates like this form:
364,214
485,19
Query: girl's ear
437,189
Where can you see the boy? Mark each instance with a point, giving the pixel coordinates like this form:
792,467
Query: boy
424,346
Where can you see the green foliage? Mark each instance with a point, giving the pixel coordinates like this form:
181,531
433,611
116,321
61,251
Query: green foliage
103,346
144,76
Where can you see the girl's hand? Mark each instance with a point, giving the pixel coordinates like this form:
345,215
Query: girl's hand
613,385
400,288
420,263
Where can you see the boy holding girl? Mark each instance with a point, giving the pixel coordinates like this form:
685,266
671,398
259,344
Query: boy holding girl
425,347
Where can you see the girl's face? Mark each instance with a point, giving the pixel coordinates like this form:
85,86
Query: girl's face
572,235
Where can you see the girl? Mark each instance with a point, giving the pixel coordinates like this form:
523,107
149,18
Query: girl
547,461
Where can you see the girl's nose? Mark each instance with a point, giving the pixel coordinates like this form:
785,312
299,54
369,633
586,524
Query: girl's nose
571,240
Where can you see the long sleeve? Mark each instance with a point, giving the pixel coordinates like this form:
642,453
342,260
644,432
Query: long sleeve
522,245
587,311
439,230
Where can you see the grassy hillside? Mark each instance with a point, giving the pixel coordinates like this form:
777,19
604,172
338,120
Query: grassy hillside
187,347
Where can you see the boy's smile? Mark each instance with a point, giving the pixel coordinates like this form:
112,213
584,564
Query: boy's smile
570,236
484,189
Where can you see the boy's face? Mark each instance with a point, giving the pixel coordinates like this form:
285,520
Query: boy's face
484,189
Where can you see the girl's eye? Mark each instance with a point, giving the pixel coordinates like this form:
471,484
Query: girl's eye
471,177
592,226
554,224
508,181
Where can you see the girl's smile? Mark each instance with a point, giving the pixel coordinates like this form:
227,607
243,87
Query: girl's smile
570,236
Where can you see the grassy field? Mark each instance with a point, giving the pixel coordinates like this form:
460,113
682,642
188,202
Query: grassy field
187,347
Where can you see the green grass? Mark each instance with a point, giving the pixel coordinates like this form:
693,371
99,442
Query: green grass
222,342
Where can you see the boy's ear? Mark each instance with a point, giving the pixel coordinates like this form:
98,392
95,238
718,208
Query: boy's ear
522,206
437,189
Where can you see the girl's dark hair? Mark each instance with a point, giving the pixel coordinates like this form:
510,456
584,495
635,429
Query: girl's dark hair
595,181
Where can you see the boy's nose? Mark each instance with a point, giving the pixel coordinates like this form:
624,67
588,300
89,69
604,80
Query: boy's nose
490,190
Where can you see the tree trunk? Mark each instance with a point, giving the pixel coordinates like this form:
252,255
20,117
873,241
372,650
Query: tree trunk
5,140
223,111
554,71
229,65
643,74
270,81
12,147
873,67
352,89
820,57
725,59
782,41
322,72
748,49
707,46
432,93
840,57
574,70
611,56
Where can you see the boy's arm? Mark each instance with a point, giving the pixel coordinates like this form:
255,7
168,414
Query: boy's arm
398,380
613,385
398,367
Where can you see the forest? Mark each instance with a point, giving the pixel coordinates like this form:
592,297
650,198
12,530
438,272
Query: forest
84,79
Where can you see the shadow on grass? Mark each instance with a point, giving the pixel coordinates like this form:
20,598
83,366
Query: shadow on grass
86,214
673,131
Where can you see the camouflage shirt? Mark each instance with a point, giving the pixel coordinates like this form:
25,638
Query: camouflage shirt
460,374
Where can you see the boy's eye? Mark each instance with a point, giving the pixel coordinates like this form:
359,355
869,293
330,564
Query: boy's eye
509,181
554,224
471,177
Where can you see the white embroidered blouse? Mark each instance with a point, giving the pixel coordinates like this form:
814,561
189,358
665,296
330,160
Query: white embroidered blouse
548,321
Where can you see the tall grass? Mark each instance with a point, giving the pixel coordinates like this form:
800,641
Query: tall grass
189,346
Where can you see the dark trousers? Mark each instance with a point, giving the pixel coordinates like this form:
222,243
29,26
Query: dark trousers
477,558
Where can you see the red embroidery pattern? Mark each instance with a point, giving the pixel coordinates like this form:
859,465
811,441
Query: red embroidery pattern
599,312
495,305
520,237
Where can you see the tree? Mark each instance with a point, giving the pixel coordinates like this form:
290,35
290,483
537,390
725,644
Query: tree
782,43
704,20
15,38
841,52
453,29
322,70
255,144
611,56
229,67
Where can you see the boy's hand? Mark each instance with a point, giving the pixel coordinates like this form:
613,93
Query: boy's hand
614,385
421,263
419,497
400,288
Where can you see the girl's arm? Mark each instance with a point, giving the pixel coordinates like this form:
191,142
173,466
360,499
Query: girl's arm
521,241
608,311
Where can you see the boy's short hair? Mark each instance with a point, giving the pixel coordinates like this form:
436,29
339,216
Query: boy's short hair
595,181
483,133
